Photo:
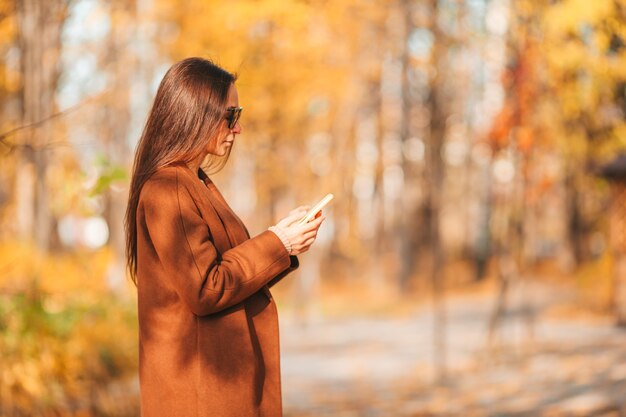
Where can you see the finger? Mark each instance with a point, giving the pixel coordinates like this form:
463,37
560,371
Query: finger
309,242
301,209
302,239
287,221
304,235
303,243
313,224
309,235
301,251
293,222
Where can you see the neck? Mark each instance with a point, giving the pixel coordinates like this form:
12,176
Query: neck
194,165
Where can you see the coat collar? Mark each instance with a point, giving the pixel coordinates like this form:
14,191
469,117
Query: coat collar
228,221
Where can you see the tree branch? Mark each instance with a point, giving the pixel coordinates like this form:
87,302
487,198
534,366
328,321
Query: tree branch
12,146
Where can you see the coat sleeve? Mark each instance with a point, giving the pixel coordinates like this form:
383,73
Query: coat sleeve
206,281
295,263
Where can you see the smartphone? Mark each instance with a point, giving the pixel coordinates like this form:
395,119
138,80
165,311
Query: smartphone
310,215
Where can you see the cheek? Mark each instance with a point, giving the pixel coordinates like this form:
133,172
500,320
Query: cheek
215,143
222,133
210,145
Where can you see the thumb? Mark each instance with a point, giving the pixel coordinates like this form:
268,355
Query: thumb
300,209
291,218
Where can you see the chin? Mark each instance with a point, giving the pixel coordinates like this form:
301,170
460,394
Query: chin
224,151
219,152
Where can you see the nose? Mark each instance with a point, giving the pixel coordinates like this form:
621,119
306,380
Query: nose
236,129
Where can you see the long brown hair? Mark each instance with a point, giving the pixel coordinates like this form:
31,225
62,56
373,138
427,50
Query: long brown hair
188,110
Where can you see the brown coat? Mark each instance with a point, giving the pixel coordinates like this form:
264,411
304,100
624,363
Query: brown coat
208,328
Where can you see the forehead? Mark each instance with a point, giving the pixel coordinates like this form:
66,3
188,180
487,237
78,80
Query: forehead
233,96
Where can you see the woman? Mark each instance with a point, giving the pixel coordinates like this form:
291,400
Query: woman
208,329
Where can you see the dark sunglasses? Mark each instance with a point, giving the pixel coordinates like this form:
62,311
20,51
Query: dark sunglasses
234,113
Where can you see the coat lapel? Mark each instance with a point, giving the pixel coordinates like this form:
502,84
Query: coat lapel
234,231
226,227
238,232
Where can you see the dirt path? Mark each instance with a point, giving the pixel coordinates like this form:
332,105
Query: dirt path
370,367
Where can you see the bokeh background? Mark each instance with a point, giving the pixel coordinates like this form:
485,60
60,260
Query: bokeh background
472,263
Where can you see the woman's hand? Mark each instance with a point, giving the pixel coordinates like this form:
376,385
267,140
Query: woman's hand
300,236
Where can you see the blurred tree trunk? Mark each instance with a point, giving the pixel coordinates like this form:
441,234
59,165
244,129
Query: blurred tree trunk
618,299
120,63
381,237
436,103
372,49
39,37
409,229
515,251
576,227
